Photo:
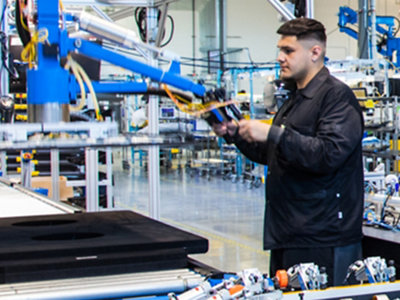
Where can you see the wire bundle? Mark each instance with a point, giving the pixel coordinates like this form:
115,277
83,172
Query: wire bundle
81,78
140,18
29,52
195,109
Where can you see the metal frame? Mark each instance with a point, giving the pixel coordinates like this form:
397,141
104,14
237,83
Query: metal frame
48,72
141,285
285,13
117,2
367,20
99,136
96,134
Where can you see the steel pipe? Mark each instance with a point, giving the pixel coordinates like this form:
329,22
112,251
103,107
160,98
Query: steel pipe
286,14
126,285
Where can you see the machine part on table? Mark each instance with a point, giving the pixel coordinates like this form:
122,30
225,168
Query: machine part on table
373,270
254,282
306,276
246,284
198,293
116,286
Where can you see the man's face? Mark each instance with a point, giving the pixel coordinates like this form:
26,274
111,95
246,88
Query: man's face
295,58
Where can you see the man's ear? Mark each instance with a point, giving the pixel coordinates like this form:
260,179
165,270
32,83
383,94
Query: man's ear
316,52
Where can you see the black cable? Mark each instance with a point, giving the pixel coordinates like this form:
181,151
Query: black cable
190,60
196,65
242,65
140,18
24,34
171,32
332,31
230,62
4,55
162,92
398,26
141,22
137,55
246,65
300,8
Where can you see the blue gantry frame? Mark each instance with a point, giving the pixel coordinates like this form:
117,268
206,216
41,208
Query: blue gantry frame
49,82
385,25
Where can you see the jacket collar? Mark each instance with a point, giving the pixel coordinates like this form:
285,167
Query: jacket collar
315,84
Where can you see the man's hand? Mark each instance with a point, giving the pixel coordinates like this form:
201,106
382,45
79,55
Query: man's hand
224,128
253,130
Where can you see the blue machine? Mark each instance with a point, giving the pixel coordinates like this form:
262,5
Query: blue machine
50,86
385,26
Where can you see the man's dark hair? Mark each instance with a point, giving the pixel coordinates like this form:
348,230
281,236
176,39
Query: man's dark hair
304,28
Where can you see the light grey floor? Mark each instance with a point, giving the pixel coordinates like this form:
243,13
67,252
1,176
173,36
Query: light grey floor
229,215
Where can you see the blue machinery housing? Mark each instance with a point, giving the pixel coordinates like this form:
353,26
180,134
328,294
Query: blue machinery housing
60,85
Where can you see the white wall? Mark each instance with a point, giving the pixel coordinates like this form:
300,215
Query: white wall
253,24
339,45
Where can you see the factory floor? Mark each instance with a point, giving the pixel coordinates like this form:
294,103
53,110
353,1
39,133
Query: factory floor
229,214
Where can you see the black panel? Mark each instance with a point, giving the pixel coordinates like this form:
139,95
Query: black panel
394,86
75,245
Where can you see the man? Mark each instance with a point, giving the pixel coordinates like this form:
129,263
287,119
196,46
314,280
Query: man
314,189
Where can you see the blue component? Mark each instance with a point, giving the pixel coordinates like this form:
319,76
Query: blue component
96,51
347,16
387,21
119,87
270,284
217,115
349,32
42,191
47,85
123,87
50,83
385,25
48,18
175,67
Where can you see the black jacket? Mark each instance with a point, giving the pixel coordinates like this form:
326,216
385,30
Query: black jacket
314,190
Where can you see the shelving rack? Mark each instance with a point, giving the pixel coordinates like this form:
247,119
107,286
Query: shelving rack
384,124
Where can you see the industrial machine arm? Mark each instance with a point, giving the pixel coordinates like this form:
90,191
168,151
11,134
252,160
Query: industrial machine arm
385,26
54,44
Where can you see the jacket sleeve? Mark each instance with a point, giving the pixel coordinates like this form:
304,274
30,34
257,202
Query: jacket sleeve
256,152
338,132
